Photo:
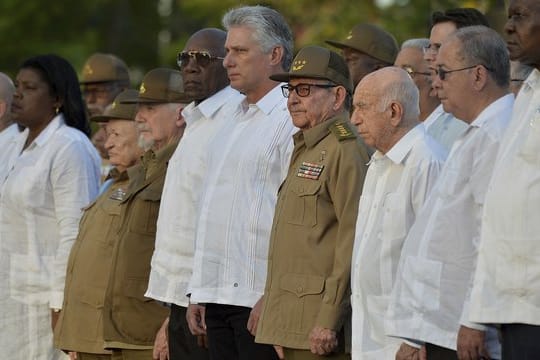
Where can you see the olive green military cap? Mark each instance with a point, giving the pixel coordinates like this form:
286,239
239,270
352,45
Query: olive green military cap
315,62
104,68
161,85
371,40
119,110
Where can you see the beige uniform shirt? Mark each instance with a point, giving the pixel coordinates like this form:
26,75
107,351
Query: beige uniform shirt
80,327
308,282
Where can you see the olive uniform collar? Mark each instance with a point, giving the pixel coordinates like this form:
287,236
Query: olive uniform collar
338,125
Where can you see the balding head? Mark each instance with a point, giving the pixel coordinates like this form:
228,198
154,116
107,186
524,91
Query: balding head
385,107
6,95
204,80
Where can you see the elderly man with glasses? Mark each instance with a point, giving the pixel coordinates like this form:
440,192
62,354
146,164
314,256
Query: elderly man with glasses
306,298
430,299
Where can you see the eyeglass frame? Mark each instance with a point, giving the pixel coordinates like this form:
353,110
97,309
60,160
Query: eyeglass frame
288,88
433,48
192,54
441,73
410,70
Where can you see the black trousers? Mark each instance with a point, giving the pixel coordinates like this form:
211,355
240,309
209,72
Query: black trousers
183,345
228,336
436,352
520,342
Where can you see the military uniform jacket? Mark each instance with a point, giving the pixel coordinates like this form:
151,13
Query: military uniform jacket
308,281
80,326
130,319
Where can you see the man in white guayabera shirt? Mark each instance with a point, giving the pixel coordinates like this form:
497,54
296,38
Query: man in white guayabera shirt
506,287
246,162
206,83
429,303
400,176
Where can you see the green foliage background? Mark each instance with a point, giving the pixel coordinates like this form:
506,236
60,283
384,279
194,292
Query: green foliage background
149,33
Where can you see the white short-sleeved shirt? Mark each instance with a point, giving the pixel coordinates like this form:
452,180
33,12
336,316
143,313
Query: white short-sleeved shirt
247,162
396,186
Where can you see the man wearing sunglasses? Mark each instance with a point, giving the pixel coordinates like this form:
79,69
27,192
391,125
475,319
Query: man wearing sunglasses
306,298
430,300
205,82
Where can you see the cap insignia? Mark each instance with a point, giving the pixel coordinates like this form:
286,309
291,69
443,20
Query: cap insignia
349,37
298,65
113,105
142,89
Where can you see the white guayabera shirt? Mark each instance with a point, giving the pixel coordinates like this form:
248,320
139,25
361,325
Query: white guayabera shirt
41,203
444,127
186,172
396,186
507,282
247,162
430,297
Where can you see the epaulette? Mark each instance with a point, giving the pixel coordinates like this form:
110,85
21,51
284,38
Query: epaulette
342,131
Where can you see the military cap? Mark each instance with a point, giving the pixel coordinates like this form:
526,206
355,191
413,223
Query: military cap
371,40
119,110
161,85
104,68
315,62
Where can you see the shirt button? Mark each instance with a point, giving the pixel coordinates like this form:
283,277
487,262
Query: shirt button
235,284
299,289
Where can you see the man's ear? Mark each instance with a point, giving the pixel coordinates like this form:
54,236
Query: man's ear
276,55
396,113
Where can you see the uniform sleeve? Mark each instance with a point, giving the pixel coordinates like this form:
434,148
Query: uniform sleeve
345,184
75,182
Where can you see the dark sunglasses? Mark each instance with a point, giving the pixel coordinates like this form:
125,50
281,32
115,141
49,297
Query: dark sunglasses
203,58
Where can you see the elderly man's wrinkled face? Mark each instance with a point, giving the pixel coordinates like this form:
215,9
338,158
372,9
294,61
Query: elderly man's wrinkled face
522,30
310,101
121,143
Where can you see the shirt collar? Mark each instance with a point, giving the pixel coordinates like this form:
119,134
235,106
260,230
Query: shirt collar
433,116
533,80
492,109
401,149
49,130
209,106
269,101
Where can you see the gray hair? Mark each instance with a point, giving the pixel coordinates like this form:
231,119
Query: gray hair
405,92
482,45
269,29
419,43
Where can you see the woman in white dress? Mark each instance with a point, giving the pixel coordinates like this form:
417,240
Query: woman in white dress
52,173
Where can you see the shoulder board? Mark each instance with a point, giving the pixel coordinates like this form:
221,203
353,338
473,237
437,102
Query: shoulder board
342,131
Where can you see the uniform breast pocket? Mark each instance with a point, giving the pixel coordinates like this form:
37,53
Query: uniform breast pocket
145,211
301,207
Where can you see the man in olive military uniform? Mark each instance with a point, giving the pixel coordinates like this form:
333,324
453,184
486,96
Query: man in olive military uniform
367,48
306,299
131,320
80,327
103,77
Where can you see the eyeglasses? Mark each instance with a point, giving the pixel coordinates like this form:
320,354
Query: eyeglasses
412,72
431,48
302,90
203,58
439,71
